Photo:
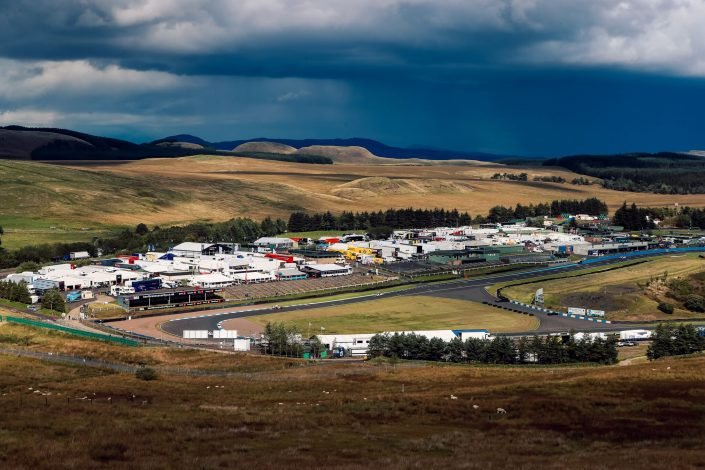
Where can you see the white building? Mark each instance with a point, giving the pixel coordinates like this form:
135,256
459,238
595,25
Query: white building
212,280
358,343
276,243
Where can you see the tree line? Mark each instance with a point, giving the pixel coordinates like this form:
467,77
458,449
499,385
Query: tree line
499,350
43,253
632,217
15,292
675,340
281,339
662,173
427,218
510,176
590,206
550,179
240,230
19,292
391,218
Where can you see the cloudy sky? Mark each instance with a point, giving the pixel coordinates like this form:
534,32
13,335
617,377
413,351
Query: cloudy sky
534,77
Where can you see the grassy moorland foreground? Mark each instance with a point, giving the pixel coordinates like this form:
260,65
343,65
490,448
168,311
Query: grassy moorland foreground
356,415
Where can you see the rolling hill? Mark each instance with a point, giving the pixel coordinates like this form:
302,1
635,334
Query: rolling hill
61,144
264,147
49,144
374,147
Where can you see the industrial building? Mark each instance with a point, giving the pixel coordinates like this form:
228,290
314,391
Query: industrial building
274,243
195,250
169,298
601,249
463,257
326,270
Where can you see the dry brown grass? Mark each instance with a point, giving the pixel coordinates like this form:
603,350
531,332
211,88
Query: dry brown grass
607,417
219,188
13,335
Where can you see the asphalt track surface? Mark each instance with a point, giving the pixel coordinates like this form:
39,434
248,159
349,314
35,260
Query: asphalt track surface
470,289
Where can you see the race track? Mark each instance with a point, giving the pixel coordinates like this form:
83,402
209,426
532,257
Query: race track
472,290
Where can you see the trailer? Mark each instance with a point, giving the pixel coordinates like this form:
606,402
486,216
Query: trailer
241,344
475,334
121,290
195,334
73,296
634,335
224,334
145,285
79,255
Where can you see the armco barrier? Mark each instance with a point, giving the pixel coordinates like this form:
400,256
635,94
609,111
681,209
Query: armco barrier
569,315
72,331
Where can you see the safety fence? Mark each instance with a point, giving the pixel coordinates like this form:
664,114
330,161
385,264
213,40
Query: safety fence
556,312
71,331
493,268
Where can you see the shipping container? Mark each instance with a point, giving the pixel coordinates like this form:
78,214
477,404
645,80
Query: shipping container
634,335
195,334
224,334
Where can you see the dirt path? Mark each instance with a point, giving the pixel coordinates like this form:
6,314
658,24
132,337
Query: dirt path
150,326
628,362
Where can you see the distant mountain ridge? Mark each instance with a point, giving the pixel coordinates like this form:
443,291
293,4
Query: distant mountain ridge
46,143
376,148
17,142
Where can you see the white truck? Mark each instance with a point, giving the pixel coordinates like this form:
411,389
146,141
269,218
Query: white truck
121,290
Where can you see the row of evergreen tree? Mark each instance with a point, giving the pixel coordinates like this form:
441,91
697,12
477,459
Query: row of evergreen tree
675,340
240,230
19,292
15,292
426,218
393,218
590,206
632,217
281,339
499,350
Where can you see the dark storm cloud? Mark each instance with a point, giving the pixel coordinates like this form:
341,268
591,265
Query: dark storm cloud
485,74
334,38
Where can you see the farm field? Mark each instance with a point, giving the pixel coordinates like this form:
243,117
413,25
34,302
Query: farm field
203,188
403,313
375,414
620,292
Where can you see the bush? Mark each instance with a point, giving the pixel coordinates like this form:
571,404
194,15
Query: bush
28,266
695,303
146,373
679,289
666,307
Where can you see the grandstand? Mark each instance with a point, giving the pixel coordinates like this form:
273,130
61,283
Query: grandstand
275,289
